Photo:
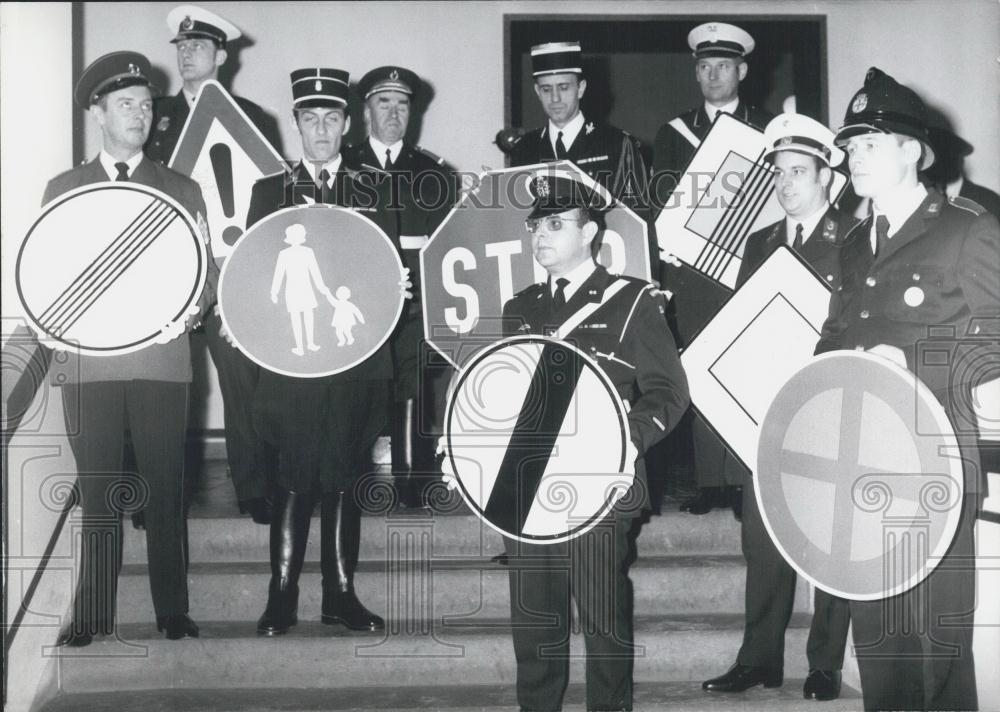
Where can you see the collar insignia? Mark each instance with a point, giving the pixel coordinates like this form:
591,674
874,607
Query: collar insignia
589,128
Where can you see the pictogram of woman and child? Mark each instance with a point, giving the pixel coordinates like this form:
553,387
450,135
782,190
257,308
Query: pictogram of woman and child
298,269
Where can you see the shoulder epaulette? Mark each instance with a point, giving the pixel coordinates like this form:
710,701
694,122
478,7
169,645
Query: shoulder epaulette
431,155
967,204
531,289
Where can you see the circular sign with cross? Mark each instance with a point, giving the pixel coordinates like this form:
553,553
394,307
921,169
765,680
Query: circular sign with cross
855,496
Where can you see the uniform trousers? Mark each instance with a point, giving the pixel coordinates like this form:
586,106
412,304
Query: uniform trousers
96,416
247,455
770,597
323,428
591,569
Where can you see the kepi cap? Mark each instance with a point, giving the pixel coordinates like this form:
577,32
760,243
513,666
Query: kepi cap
389,78
191,21
555,191
109,73
797,132
720,39
883,105
319,86
556,58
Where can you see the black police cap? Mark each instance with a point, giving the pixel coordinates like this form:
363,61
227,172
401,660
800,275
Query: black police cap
109,73
389,78
555,192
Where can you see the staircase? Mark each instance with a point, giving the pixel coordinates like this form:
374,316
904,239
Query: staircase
447,644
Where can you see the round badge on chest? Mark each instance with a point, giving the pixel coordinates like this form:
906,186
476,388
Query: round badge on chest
914,297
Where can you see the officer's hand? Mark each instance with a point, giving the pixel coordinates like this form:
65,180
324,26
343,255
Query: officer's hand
405,285
447,473
893,353
223,331
170,331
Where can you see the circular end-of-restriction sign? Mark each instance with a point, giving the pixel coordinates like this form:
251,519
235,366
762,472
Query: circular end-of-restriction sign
110,268
311,291
856,497
537,439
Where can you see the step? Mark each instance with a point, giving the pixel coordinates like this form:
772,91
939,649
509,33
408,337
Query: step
686,696
231,654
457,534
457,587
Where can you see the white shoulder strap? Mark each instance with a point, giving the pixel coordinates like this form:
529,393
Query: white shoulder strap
588,309
680,127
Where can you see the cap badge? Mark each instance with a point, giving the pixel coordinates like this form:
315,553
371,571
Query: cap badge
134,69
859,103
784,140
589,128
541,187
318,86
187,23
393,75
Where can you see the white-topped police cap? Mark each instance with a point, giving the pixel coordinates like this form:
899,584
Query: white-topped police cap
720,39
191,21
556,58
318,87
797,132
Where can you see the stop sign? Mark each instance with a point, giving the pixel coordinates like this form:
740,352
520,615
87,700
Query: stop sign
480,257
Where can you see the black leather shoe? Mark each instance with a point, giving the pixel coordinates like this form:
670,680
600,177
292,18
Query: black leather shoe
177,626
344,607
260,509
742,677
71,638
139,520
822,685
281,613
708,498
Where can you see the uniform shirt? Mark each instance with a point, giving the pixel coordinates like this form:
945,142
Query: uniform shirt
379,149
712,111
576,276
108,162
808,225
569,132
896,210
332,167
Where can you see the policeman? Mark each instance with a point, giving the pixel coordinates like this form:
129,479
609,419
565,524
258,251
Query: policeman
146,390
920,260
803,155
720,52
609,155
200,37
323,428
422,191
628,336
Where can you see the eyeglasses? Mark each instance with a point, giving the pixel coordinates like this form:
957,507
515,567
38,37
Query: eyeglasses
553,223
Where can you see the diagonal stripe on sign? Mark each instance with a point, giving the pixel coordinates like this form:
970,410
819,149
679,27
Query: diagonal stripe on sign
106,268
534,437
752,198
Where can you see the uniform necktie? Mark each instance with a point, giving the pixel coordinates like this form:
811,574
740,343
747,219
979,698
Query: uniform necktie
388,159
560,146
122,171
797,242
881,234
559,298
324,185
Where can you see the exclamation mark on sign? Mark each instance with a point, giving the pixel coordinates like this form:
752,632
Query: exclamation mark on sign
222,164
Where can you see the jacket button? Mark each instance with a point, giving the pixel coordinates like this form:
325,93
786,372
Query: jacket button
829,278
871,282
865,314
916,277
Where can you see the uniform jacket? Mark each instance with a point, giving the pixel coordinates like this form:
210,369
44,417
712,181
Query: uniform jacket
672,152
610,156
170,113
940,269
286,190
821,250
421,191
628,337
159,362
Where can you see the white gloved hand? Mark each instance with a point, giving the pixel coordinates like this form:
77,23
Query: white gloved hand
447,472
893,353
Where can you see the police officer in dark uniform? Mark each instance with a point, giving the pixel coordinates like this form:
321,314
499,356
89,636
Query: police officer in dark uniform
323,428
628,337
720,52
610,156
200,37
920,260
802,152
421,191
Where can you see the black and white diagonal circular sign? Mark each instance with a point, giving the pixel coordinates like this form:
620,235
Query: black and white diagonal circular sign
537,438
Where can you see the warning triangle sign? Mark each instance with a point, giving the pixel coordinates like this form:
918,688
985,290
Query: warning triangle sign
226,154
